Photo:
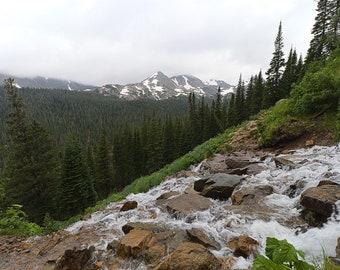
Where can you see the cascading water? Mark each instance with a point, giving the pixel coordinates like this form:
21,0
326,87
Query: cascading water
311,166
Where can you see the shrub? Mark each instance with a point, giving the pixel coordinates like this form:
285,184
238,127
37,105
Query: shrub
13,222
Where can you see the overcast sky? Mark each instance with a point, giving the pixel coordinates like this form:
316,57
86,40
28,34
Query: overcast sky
125,41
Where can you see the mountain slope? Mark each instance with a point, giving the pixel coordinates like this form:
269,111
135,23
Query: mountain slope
159,86
45,83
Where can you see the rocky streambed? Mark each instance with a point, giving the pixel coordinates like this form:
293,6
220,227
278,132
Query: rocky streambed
215,216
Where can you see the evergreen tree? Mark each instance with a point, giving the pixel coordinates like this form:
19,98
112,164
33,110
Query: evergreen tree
289,76
259,85
274,73
104,178
239,101
169,152
231,120
325,30
31,169
77,188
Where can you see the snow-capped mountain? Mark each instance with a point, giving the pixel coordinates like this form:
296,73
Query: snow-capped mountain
46,83
159,86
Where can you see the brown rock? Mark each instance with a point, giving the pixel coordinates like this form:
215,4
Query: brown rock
251,194
200,237
167,195
74,259
190,190
235,163
327,182
133,243
321,200
190,256
129,205
281,162
152,227
243,245
98,265
309,143
187,203
155,253
227,262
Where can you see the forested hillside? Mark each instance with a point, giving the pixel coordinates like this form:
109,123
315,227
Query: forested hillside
64,150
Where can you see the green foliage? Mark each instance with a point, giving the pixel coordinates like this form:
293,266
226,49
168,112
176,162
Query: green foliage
279,125
77,189
319,90
13,222
281,255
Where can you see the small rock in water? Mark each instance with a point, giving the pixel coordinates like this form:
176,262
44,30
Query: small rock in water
200,237
243,245
129,205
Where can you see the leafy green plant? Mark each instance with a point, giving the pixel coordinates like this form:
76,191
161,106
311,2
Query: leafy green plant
281,255
13,222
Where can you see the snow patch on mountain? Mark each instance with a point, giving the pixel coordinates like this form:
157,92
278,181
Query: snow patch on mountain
158,86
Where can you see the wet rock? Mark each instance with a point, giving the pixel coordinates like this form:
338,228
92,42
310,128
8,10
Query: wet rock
234,163
200,237
214,164
129,205
295,189
75,259
220,186
227,262
190,190
155,253
186,203
281,162
134,243
251,194
152,227
243,245
185,174
327,182
112,245
191,256
167,195
321,200
337,250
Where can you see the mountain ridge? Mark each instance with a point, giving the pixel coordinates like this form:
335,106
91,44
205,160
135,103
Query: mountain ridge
159,86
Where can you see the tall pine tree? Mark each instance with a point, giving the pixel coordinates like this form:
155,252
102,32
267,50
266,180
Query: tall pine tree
31,169
274,73
77,188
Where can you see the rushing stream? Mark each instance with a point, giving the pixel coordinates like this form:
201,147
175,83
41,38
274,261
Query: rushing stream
312,165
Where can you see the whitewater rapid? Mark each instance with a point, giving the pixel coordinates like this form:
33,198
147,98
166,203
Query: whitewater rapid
312,165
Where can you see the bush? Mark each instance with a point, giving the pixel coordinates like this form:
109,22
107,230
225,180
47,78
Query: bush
319,89
279,125
13,222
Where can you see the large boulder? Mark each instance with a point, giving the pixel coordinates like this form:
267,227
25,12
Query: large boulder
190,256
251,194
187,203
321,200
235,162
218,186
74,259
134,243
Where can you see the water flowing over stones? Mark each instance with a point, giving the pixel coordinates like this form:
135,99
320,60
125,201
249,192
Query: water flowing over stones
173,226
